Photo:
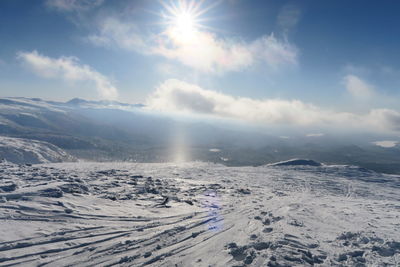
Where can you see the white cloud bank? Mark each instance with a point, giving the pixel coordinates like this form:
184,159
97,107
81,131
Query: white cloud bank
178,96
199,49
68,69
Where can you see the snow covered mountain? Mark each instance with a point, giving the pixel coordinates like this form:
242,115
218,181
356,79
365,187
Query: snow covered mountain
197,214
114,131
21,151
295,212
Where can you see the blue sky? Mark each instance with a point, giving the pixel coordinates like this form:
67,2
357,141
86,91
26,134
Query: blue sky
339,58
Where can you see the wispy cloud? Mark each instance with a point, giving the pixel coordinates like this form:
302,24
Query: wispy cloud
201,50
207,52
113,32
178,96
315,134
358,88
68,69
73,5
288,17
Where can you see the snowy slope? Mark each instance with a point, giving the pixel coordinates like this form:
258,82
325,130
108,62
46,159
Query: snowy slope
18,150
197,214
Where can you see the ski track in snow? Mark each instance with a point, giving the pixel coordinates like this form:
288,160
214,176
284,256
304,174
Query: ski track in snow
108,214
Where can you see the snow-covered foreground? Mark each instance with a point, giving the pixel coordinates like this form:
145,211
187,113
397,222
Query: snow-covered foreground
197,214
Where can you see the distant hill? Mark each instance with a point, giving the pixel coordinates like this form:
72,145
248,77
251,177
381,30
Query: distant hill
22,151
114,131
296,162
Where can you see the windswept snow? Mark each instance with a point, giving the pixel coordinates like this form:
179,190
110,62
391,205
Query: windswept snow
18,150
197,214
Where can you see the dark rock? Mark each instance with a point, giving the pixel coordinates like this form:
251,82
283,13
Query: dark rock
189,202
249,259
74,188
357,253
267,222
268,230
261,245
232,245
68,210
195,234
238,253
51,192
342,257
244,191
8,187
384,251
347,236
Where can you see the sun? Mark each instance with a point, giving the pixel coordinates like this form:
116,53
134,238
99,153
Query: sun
185,23
183,19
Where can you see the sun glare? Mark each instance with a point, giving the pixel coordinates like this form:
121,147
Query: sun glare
185,23
183,19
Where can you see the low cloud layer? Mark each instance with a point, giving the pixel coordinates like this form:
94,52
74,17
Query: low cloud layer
178,96
199,49
69,69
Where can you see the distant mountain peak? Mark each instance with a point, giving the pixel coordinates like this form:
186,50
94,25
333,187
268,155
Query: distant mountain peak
296,162
77,101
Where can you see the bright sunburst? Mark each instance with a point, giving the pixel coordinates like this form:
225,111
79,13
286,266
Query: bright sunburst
183,18
185,23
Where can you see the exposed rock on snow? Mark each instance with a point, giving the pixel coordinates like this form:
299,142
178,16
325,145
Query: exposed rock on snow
197,214
25,151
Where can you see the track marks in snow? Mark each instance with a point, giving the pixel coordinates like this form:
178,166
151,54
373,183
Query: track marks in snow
196,215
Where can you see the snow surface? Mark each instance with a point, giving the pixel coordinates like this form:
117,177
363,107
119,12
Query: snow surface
18,150
197,214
